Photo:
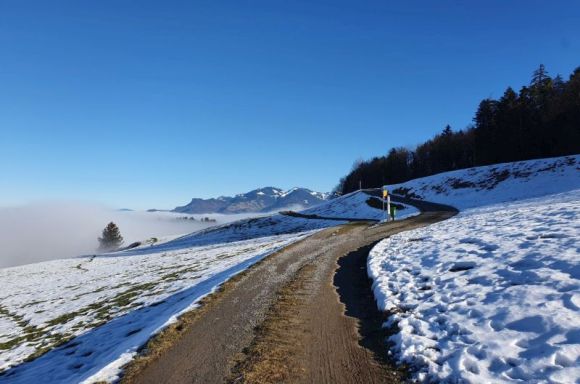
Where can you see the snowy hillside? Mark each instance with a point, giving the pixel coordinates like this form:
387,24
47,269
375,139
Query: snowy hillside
355,206
496,183
493,294
245,229
115,302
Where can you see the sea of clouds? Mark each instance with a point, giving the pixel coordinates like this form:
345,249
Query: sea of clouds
55,230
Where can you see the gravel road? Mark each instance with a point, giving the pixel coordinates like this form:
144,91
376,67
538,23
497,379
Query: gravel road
303,315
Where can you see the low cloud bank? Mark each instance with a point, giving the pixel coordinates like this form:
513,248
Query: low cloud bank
40,232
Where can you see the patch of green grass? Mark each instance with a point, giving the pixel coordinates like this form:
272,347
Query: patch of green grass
55,341
177,274
11,343
62,319
89,293
171,276
18,319
33,303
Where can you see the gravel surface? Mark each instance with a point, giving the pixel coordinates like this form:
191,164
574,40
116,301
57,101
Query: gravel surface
284,321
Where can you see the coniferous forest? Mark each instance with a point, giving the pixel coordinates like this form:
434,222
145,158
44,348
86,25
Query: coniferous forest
542,120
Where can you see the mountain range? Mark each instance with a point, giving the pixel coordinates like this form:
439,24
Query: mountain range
268,199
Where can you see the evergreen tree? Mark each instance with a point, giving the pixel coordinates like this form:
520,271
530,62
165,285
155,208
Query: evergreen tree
540,76
111,238
447,131
541,87
509,127
486,132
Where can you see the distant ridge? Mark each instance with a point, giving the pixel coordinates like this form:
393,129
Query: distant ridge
259,200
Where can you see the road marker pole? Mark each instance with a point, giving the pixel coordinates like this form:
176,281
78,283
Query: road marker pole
386,195
383,199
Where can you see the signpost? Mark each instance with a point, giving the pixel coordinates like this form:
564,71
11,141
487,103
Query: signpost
386,196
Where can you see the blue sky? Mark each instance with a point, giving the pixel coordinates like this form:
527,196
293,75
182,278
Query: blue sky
148,103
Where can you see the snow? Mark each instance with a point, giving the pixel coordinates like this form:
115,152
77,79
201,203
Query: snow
354,205
320,195
479,186
286,193
109,305
491,295
252,228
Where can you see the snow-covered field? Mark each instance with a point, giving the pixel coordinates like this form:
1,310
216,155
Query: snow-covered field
478,186
133,295
276,224
491,295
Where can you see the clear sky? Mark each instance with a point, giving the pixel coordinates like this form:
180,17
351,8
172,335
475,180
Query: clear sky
146,104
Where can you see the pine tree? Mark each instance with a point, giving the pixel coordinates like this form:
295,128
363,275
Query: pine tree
540,76
447,131
111,238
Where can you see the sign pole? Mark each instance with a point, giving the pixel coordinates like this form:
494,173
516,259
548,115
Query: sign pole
386,195
383,199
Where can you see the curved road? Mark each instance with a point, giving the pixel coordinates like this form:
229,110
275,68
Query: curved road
305,314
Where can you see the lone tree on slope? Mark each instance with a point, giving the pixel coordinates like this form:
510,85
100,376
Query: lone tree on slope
111,238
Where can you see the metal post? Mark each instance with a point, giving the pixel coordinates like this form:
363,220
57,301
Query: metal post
385,194
384,216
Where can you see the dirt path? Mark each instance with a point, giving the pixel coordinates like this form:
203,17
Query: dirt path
284,321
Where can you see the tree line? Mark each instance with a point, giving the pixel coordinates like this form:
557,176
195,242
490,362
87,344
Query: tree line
542,120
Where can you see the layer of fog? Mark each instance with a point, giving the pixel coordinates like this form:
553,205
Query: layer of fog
40,232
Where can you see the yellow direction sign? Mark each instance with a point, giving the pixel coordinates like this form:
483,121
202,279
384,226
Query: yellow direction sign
385,193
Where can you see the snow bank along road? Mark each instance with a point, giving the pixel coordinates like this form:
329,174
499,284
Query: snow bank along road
283,319
492,295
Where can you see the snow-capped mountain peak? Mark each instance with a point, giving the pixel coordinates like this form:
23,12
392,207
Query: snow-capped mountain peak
264,199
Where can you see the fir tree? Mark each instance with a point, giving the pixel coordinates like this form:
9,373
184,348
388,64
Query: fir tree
540,76
447,131
111,238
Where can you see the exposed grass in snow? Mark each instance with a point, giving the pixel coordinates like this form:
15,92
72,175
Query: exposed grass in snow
492,295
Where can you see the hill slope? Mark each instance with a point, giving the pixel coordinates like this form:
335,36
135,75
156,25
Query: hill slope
496,183
487,297
493,294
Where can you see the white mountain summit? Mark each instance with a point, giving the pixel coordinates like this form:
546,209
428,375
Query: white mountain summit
259,200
